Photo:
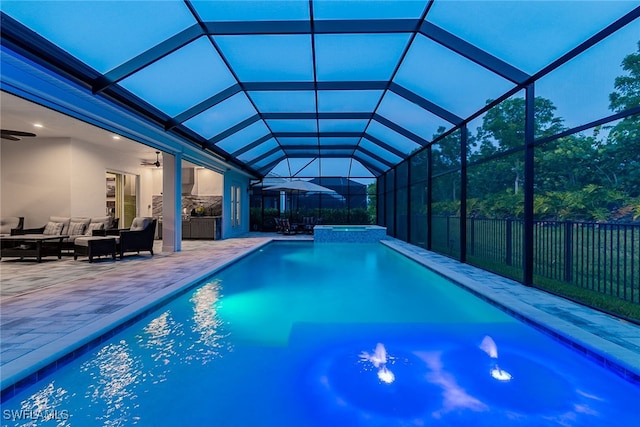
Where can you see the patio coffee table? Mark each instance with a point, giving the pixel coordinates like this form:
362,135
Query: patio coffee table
32,245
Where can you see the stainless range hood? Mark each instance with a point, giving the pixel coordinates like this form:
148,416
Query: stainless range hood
188,181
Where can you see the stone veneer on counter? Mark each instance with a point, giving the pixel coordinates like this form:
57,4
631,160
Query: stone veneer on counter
211,204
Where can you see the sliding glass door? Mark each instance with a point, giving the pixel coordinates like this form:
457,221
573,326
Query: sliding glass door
121,201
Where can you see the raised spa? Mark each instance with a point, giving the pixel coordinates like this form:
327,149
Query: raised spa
349,233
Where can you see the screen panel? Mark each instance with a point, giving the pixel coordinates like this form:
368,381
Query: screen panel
410,116
182,79
368,9
244,137
292,125
447,79
348,101
222,116
258,151
277,58
86,29
284,101
345,125
527,34
392,138
358,57
580,89
233,10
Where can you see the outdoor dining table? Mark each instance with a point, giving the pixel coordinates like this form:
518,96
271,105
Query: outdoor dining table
32,245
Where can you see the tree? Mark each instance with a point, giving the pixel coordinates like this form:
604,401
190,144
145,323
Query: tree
372,201
622,150
503,129
445,158
568,163
627,88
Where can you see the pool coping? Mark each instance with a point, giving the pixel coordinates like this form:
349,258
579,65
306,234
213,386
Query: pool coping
615,357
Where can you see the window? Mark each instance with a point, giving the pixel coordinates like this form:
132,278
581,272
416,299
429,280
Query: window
236,196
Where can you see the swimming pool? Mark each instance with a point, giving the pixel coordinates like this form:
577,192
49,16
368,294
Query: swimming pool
313,335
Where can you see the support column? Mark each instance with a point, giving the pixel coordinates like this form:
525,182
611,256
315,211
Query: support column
463,193
429,197
171,202
409,216
529,137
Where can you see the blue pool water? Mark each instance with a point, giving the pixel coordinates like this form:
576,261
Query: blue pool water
299,335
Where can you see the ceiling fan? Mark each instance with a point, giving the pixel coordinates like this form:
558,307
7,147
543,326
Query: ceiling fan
13,135
156,163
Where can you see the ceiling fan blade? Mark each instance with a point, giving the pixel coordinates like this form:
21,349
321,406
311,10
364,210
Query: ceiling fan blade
9,137
150,163
5,132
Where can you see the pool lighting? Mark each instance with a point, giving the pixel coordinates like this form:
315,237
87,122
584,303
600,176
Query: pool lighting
386,375
379,360
488,345
500,375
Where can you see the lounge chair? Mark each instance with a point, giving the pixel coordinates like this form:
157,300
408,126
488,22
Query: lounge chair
287,228
139,237
308,222
278,222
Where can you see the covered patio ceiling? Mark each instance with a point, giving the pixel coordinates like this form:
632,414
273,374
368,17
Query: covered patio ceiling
307,87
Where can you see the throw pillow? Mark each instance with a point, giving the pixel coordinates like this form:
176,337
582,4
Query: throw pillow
76,228
139,223
53,228
93,226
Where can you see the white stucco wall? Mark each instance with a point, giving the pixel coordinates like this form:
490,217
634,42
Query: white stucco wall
34,179
207,183
63,177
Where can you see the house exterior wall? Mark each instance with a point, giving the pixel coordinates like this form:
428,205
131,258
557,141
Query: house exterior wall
63,177
35,179
233,179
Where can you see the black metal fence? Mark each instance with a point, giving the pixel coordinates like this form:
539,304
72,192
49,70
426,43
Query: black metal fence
603,257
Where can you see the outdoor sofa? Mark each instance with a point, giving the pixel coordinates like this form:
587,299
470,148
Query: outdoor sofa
74,227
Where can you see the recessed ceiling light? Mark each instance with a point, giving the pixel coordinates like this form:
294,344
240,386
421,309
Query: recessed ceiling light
37,125
116,137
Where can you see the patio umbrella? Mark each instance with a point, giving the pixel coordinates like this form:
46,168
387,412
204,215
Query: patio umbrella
298,187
